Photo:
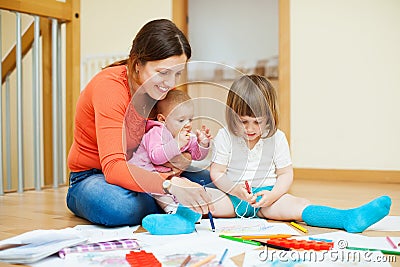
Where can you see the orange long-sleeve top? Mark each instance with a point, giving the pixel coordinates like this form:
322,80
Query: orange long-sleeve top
107,128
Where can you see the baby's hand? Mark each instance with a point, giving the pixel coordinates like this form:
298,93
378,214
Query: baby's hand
203,136
182,138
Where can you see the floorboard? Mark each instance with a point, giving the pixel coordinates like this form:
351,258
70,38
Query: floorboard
46,209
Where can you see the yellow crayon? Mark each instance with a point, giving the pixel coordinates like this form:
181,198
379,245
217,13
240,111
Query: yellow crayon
301,228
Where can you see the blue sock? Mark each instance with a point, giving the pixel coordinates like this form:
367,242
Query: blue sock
354,220
182,222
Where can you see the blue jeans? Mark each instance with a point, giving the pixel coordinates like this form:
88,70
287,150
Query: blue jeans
197,175
92,198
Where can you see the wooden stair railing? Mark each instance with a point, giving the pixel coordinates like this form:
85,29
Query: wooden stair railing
9,62
67,12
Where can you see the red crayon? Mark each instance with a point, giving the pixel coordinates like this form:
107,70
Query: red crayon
390,241
247,187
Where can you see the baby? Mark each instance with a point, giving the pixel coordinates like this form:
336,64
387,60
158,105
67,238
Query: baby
169,136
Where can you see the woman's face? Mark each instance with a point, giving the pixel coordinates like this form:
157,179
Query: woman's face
158,77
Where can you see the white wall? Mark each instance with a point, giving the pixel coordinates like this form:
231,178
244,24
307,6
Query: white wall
345,84
236,33
233,32
108,27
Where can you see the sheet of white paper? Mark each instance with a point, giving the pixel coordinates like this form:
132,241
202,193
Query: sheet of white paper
175,259
169,247
97,233
238,226
43,243
147,240
165,248
388,223
42,236
201,243
94,259
39,244
205,243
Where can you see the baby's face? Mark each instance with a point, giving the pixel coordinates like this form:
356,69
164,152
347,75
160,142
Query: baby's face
180,118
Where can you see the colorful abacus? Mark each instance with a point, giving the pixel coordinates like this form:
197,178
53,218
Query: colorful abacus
142,259
300,244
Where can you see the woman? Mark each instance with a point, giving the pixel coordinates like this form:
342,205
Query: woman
109,124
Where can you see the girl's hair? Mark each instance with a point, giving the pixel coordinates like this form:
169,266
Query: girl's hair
156,40
253,96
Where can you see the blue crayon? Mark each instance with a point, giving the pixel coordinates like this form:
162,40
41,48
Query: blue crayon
211,221
209,213
320,239
223,256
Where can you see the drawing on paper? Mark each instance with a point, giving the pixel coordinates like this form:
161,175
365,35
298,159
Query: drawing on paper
177,259
106,259
242,226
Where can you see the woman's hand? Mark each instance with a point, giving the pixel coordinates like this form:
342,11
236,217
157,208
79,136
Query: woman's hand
191,194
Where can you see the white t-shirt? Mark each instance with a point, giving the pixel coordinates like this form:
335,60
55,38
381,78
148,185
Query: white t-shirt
258,165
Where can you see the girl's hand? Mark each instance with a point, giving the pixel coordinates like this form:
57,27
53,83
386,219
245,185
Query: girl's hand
267,198
191,195
203,136
240,191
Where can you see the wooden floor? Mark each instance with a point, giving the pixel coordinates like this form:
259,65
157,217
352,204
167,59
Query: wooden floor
46,209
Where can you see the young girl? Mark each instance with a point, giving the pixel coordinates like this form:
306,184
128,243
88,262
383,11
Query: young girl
252,149
167,137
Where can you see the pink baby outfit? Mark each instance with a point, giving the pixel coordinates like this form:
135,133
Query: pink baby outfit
158,147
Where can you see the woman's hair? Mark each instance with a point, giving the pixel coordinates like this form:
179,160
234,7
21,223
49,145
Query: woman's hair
253,96
156,40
